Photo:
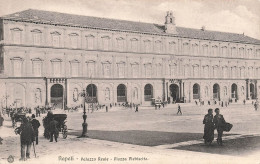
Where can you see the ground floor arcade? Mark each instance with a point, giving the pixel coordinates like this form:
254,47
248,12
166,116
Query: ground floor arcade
68,91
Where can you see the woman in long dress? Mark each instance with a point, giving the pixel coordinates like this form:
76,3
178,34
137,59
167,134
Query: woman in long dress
209,127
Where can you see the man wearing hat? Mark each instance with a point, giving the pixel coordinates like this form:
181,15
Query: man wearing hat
26,137
35,124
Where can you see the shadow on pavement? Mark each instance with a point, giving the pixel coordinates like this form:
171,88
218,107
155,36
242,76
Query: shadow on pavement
235,147
141,137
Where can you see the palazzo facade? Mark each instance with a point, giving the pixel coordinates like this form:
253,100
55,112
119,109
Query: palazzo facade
50,58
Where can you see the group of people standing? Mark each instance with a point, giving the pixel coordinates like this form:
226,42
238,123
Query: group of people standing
214,122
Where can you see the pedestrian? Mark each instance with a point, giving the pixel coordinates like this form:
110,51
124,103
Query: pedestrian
53,129
179,109
136,108
219,123
208,128
1,120
244,102
256,106
26,138
106,108
35,124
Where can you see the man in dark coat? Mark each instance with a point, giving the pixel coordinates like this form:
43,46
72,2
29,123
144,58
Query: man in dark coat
219,123
136,108
35,124
179,109
53,129
209,127
1,120
26,137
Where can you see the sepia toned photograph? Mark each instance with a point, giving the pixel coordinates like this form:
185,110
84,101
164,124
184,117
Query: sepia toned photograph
129,81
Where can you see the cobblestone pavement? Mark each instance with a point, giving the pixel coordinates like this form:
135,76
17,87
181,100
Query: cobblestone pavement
244,118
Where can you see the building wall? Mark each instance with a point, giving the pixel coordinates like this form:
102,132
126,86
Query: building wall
34,53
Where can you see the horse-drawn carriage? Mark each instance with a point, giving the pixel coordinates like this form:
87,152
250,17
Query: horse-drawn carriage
61,127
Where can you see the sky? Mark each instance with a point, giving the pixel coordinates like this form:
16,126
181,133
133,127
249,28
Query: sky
237,16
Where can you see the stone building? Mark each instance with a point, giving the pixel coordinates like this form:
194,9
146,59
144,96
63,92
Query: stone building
50,58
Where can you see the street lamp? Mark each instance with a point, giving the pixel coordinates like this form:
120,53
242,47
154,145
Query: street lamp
84,124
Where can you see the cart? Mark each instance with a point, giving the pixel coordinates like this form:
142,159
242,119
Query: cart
62,127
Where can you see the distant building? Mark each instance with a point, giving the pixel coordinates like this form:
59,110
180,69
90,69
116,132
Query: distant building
49,58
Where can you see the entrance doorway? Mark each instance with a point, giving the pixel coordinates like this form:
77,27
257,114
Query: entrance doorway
216,91
148,92
92,93
234,91
196,91
57,95
121,93
252,91
174,92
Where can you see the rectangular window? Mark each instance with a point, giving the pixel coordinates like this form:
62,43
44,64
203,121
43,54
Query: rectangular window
135,70
17,68
56,68
74,69
106,69
74,41
36,38
17,37
91,69
121,70
56,40
37,68
90,42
